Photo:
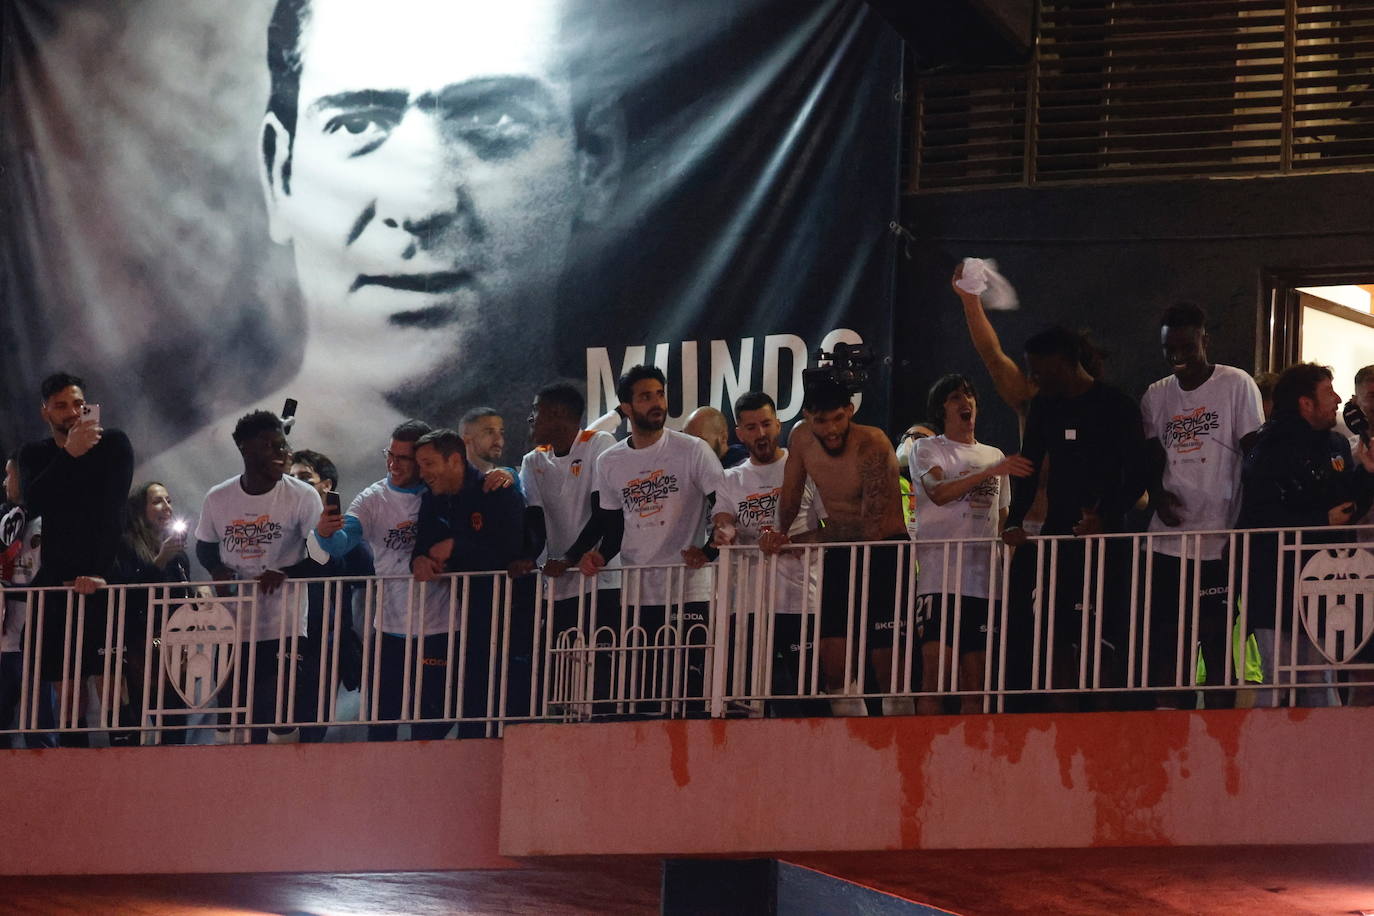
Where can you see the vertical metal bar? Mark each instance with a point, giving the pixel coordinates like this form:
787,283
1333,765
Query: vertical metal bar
1293,617
1137,612
994,582
1245,604
1099,608
894,665
909,648
1226,667
1290,66
465,631
1053,602
943,599
1195,632
29,684
1181,605
1091,546
149,649
1005,614
849,618
816,622
862,672
506,587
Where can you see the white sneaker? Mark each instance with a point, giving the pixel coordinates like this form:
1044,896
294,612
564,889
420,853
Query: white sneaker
227,736
844,706
291,737
899,706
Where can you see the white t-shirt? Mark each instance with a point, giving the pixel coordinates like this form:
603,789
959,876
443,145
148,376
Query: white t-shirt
752,493
388,517
1201,432
973,515
661,490
258,533
562,487
15,609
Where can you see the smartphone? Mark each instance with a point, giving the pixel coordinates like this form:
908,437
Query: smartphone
91,412
332,503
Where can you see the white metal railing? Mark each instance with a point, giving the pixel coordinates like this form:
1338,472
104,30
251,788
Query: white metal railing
1279,617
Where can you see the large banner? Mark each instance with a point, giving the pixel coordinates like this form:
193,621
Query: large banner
414,207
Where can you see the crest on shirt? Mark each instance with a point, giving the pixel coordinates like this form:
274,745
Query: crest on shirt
1338,463
476,521
576,467
199,648
1336,594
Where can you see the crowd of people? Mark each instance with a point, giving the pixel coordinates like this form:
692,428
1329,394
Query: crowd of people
1206,449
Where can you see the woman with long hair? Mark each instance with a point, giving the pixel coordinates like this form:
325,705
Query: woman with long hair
152,552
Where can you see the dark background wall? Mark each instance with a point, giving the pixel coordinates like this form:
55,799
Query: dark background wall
1109,258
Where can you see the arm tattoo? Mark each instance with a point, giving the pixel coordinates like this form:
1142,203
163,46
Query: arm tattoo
878,491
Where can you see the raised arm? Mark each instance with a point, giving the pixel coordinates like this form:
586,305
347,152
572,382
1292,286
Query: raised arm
1007,378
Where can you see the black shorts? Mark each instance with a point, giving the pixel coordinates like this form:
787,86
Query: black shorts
59,657
972,615
889,564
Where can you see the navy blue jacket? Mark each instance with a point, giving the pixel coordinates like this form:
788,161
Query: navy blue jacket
487,528
1295,474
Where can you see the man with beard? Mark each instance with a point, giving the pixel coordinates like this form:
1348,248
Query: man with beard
746,507
1300,473
254,526
856,476
76,481
430,164
653,492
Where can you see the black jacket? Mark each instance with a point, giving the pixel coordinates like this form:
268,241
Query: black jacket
1294,475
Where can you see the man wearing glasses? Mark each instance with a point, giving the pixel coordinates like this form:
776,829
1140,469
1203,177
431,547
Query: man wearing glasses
384,517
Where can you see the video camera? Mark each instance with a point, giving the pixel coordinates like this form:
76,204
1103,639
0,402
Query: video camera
1355,420
847,367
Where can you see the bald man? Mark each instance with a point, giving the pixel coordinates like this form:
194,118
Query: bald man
708,425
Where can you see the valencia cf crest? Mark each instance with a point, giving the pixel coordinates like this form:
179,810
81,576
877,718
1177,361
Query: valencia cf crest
1336,595
199,646
576,467
476,521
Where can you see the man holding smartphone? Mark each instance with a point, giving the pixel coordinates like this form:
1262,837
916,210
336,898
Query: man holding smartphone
76,481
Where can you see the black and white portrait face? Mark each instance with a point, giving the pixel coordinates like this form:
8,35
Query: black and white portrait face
431,180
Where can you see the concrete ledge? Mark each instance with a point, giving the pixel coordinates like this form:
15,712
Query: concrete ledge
985,782
428,805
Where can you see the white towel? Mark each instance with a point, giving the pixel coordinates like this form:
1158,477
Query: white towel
980,277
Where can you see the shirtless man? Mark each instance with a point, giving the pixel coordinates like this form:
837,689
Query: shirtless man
856,475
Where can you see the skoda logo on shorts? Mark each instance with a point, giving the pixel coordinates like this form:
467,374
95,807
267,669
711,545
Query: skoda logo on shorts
1336,595
199,646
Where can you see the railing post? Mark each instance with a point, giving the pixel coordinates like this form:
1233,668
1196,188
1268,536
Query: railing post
720,634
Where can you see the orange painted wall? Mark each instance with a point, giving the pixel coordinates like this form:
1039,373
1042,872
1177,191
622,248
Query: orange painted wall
317,807
1112,779
727,787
